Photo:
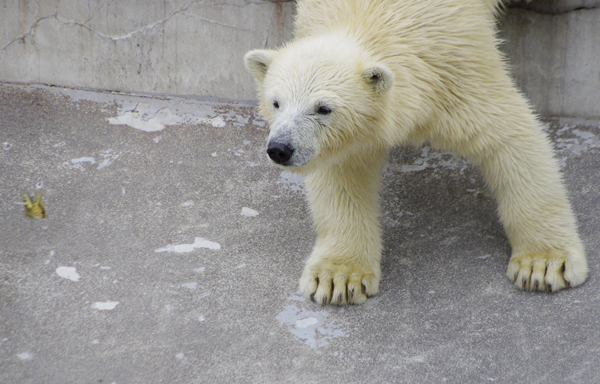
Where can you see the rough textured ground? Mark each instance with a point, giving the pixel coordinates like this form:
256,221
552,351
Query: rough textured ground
173,256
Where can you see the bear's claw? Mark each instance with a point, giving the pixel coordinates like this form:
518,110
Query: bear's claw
338,284
547,271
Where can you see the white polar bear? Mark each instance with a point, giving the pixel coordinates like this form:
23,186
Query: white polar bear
363,76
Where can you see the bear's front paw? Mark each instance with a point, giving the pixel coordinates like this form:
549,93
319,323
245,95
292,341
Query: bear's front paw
338,283
548,271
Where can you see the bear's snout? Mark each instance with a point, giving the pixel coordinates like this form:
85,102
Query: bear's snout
280,153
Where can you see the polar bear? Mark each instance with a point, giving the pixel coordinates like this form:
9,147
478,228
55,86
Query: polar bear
363,76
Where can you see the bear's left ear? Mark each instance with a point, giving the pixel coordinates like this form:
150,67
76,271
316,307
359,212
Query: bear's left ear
258,62
379,77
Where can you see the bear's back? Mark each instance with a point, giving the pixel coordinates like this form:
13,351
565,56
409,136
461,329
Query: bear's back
387,27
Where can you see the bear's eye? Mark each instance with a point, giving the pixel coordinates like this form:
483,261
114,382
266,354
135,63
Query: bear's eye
323,110
276,105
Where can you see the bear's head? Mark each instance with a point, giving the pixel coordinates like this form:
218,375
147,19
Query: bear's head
320,96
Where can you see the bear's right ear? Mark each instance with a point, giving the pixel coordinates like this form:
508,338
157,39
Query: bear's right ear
258,62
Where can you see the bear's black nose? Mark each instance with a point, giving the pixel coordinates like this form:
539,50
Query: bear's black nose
279,153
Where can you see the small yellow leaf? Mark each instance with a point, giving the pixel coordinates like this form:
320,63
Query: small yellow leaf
35,209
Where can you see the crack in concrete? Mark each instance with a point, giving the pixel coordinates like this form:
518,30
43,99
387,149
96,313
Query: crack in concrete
215,22
129,35
30,31
269,28
276,15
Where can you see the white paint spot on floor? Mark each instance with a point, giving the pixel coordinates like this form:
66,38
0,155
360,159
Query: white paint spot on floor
483,257
311,327
241,120
95,342
105,267
214,154
157,139
415,359
259,123
108,158
217,122
179,356
184,248
78,163
68,273
201,318
566,144
135,119
105,305
292,181
306,322
61,144
142,118
25,356
190,285
249,212
187,204
241,266
103,164
199,270
83,160
414,168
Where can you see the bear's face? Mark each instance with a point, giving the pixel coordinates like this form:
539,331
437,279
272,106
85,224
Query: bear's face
318,100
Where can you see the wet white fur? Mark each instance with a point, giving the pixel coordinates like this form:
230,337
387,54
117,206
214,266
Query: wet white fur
439,79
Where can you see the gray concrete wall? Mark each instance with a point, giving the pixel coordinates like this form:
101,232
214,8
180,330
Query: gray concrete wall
554,51
195,47
182,47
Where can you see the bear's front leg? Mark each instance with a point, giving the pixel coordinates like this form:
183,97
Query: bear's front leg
547,254
344,267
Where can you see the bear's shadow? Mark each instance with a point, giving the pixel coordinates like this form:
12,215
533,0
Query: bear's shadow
441,230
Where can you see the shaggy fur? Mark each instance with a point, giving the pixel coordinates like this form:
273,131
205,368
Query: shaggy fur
363,76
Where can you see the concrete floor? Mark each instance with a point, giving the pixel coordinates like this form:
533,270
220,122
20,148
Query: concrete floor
173,256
